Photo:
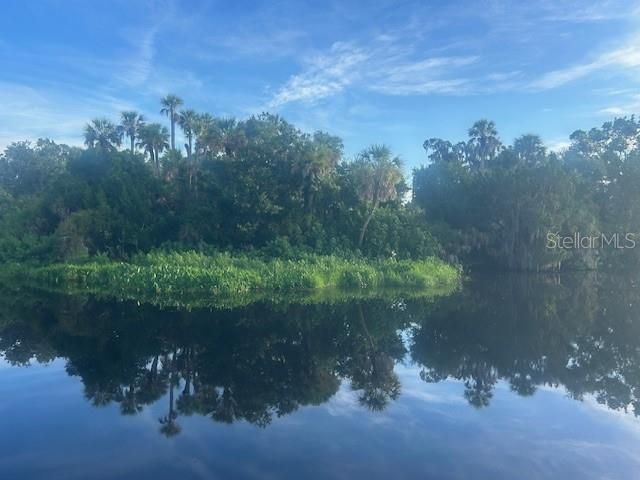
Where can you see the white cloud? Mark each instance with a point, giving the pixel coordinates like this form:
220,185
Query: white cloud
612,111
557,145
625,57
385,68
421,77
325,75
630,105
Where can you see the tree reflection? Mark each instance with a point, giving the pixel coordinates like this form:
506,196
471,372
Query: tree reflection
581,333
264,361
371,366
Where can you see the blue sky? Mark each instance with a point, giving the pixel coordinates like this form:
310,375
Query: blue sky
382,71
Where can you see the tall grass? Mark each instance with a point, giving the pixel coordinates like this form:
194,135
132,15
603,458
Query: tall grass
162,273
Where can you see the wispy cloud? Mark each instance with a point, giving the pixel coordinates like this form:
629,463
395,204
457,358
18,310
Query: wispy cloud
30,113
138,67
393,66
580,11
386,68
625,58
423,77
325,75
259,46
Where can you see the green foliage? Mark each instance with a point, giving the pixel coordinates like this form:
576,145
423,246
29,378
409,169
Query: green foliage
495,205
28,169
103,134
257,184
262,185
174,274
400,233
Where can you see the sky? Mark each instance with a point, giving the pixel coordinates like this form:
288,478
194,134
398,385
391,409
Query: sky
377,71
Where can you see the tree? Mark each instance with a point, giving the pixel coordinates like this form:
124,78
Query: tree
102,133
170,105
131,123
529,149
321,161
376,175
154,139
443,151
499,213
188,121
484,144
214,136
27,169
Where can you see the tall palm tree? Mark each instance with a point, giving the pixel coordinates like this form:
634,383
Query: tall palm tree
131,123
154,139
102,133
188,120
170,105
484,143
376,175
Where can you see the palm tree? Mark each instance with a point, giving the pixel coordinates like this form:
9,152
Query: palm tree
170,105
530,149
188,120
102,133
131,123
484,143
376,175
154,139
206,134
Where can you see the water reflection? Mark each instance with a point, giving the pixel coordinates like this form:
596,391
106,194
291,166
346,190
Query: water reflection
264,361
582,333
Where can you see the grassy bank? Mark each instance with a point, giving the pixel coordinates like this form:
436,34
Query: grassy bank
224,274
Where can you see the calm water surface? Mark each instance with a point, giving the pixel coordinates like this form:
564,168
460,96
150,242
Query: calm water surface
514,377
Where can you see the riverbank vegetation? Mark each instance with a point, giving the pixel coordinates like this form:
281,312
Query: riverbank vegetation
174,275
262,187
223,280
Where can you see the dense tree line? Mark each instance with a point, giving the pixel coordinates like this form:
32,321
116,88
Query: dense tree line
496,204
261,183
257,183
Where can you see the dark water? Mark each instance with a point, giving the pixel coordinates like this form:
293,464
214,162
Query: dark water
514,377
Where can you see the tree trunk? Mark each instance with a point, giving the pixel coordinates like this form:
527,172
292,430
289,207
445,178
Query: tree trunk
366,224
363,323
173,131
308,202
133,139
156,160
